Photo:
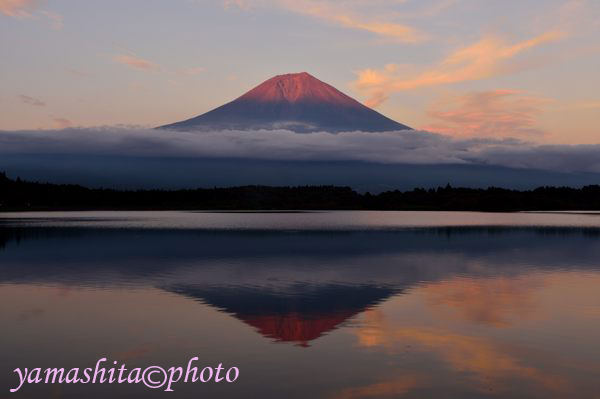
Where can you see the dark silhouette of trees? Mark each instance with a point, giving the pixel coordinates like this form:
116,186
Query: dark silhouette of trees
23,195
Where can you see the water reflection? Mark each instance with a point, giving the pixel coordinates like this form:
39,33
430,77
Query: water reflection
420,312
486,364
521,362
498,302
299,314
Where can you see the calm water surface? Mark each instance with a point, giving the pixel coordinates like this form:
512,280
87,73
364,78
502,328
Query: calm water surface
307,305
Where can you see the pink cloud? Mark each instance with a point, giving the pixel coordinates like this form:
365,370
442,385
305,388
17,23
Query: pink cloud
495,113
357,15
487,58
62,123
136,62
18,8
30,9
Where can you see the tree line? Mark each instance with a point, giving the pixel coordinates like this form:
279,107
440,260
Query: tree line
19,195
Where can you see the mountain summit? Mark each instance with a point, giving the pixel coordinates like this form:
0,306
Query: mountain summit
298,102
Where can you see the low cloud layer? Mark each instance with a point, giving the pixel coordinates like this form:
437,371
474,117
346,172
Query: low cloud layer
401,147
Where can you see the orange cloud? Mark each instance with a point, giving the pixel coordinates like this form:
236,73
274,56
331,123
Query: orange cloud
335,13
136,62
487,364
495,113
387,29
27,9
18,8
488,301
487,58
62,123
347,14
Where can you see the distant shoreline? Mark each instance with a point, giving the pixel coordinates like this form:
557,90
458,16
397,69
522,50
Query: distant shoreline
17,195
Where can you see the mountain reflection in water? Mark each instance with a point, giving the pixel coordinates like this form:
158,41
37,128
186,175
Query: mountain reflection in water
427,302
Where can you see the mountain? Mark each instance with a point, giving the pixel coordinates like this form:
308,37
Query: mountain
298,102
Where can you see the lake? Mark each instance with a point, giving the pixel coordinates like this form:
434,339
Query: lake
337,305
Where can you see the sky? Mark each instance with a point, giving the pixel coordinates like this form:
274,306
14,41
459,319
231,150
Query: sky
464,68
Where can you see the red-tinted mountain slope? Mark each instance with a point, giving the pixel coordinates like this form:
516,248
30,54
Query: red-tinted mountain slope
297,102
